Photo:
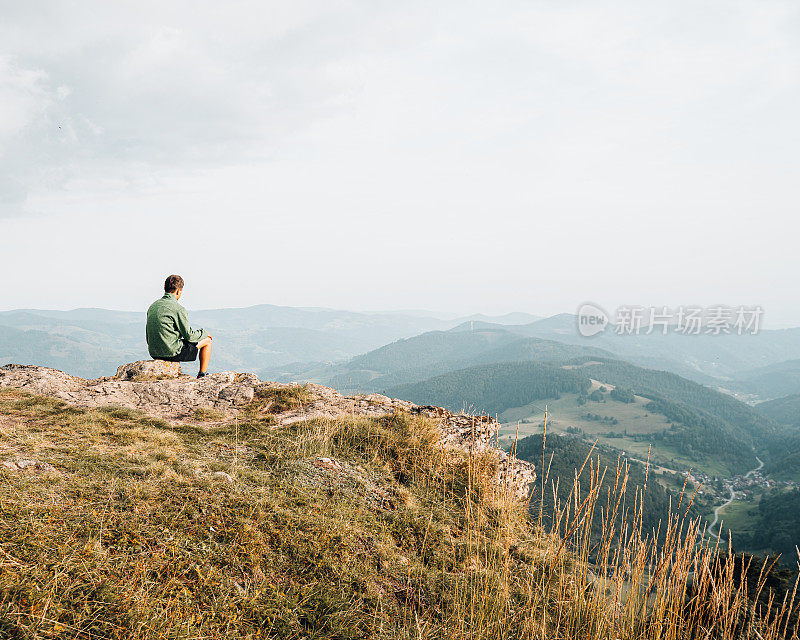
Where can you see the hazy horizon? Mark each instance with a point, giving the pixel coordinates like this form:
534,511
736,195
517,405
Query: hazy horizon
765,322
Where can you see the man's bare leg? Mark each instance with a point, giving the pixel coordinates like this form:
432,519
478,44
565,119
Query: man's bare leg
204,347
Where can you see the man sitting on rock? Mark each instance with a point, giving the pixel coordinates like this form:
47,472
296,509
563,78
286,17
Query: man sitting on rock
169,336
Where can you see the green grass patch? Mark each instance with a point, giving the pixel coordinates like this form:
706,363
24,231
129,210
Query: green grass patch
204,414
739,516
629,423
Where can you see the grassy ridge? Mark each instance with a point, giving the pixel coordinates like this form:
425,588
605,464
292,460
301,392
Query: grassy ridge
134,537
351,528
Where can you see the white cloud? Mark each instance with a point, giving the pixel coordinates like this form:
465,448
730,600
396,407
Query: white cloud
25,100
23,97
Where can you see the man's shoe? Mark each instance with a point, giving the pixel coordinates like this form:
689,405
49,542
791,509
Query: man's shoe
202,374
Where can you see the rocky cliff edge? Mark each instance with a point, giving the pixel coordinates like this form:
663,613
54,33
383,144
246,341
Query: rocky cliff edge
160,389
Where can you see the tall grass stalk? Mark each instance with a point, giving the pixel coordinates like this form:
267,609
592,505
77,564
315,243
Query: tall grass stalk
613,581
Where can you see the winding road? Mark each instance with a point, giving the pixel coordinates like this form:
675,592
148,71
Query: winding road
731,499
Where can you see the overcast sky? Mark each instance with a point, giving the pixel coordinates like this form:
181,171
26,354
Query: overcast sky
462,156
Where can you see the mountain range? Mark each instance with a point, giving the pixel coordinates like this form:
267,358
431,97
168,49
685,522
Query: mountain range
93,342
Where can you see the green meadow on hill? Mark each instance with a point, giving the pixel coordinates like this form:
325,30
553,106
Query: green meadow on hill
635,428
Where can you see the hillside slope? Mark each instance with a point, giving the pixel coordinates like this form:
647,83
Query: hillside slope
281,514
139,528
776,525
746,423
700,426
431,354
784,410
493,388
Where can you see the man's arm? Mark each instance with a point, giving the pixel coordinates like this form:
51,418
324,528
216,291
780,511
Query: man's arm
187,333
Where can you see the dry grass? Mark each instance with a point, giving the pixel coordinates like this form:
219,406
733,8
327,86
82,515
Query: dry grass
278,400
134,537
268,401
203,414
150,378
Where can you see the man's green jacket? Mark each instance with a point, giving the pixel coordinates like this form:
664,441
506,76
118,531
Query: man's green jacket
168,328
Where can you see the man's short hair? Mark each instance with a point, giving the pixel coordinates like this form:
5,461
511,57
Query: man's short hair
172,284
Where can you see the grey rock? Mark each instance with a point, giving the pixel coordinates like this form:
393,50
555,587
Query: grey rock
173,398
22,465
149,369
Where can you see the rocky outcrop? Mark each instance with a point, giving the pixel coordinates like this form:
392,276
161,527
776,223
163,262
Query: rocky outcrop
135,386
159,388
149,370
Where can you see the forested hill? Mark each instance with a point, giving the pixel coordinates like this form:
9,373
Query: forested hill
519,350
784,410
431,354
776,527
772,381
431,348
702,425
492,388
744,421
460,349
783,462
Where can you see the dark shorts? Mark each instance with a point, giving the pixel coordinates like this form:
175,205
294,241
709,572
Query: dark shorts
188,353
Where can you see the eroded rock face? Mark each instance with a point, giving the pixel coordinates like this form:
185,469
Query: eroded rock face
159,389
